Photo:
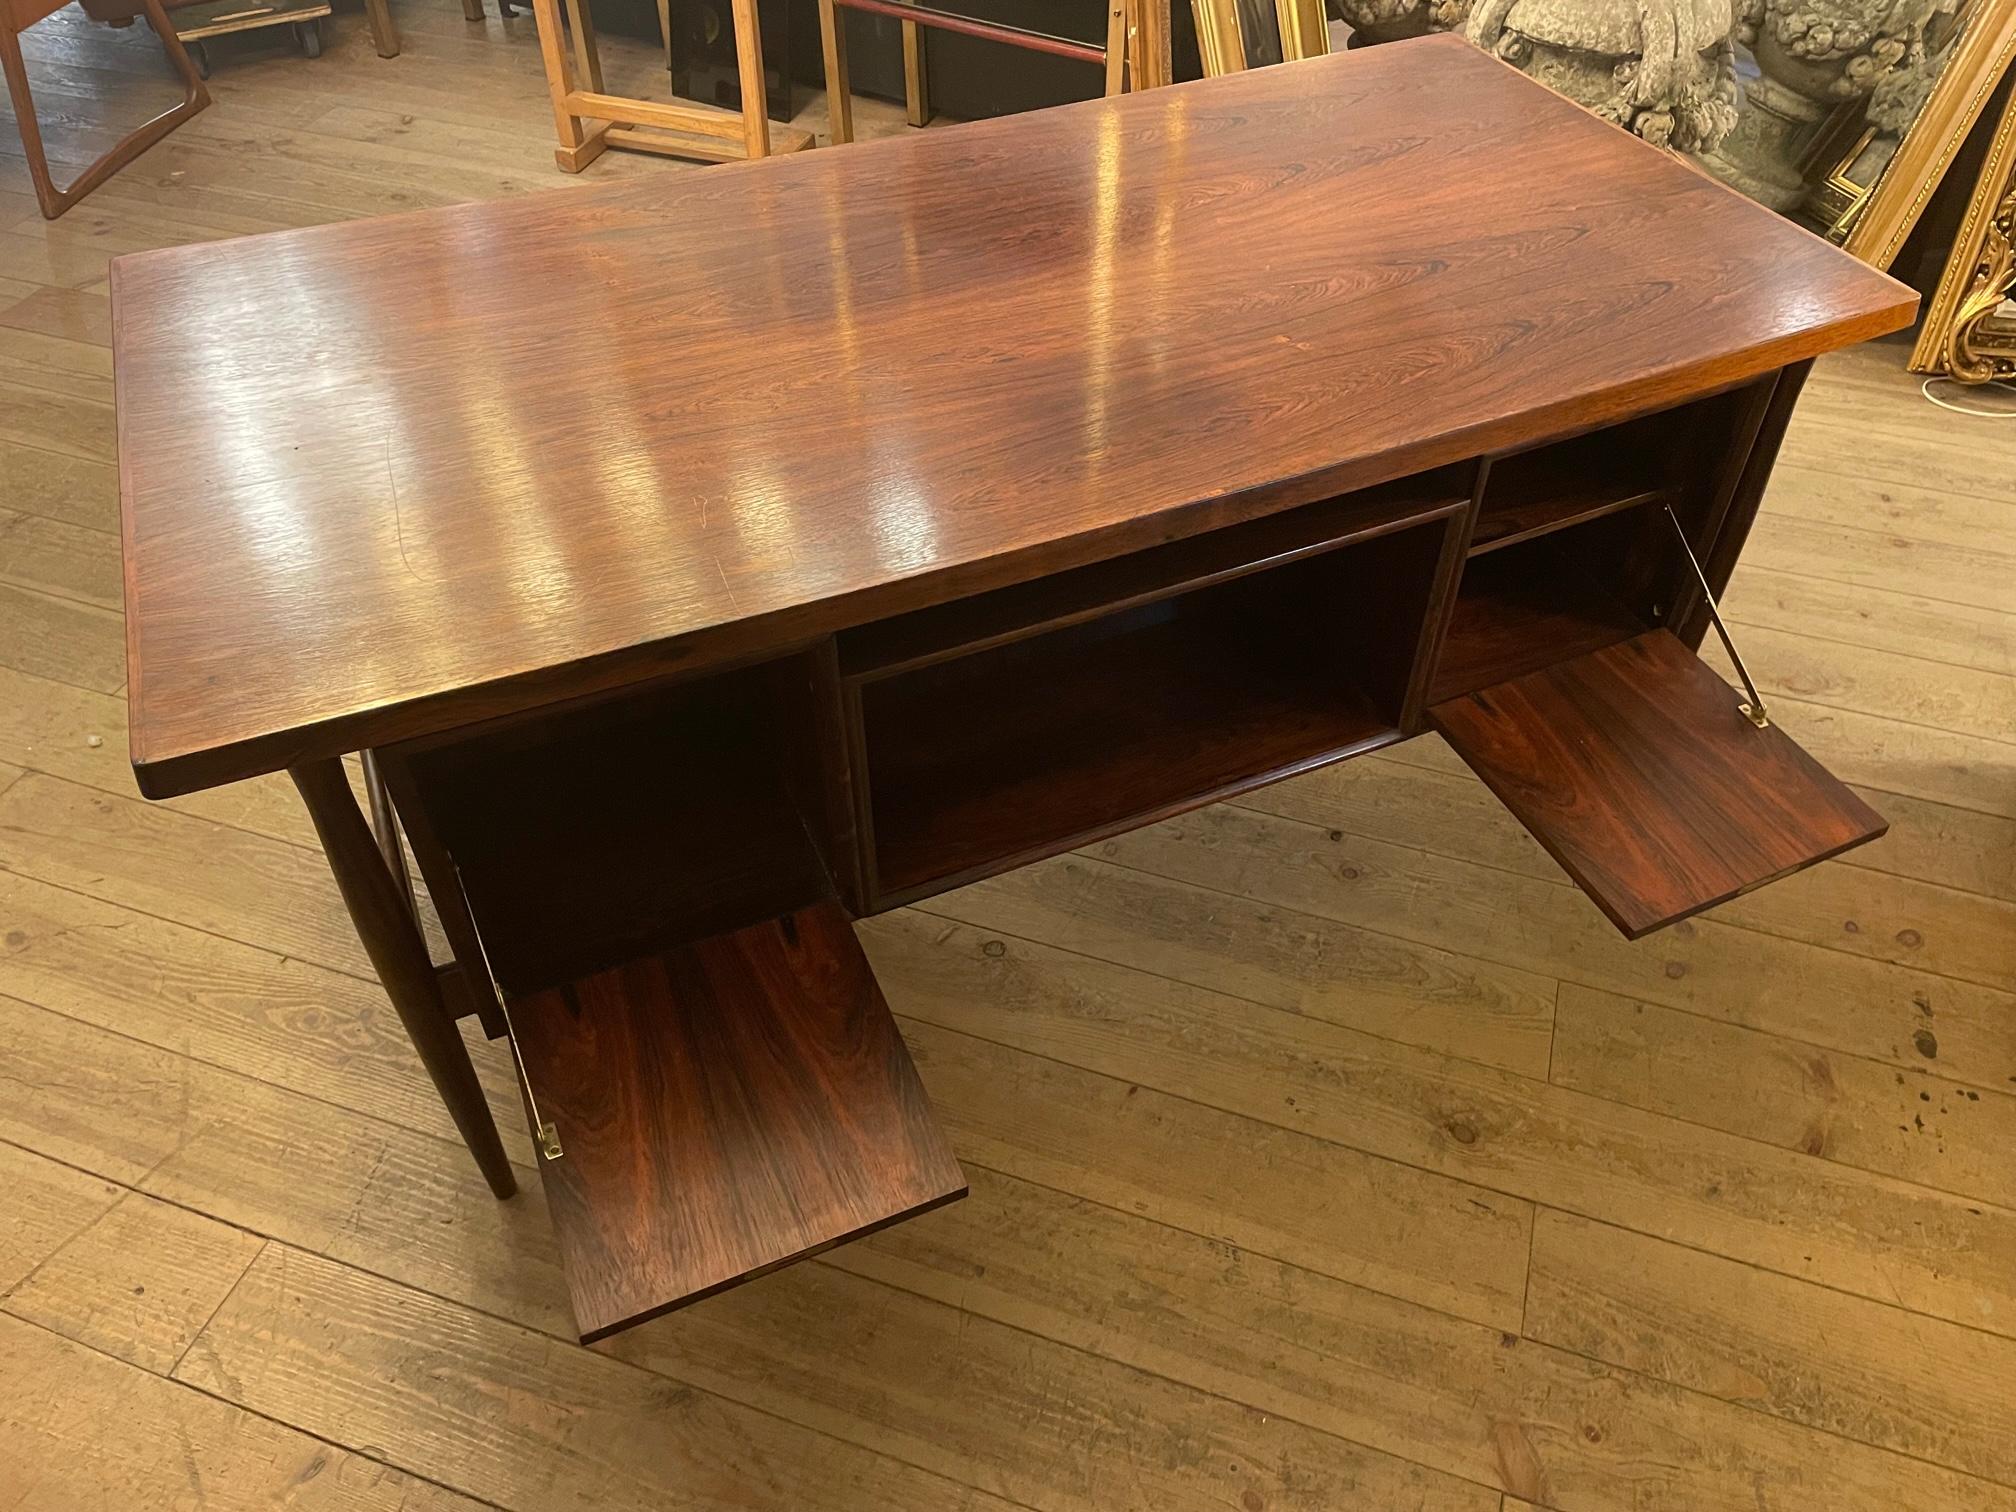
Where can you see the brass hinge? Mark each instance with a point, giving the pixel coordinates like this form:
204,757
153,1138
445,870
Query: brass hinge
1754,709
544,1134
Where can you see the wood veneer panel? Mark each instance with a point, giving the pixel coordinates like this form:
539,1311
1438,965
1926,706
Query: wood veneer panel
724,1108
1021,345
1636,770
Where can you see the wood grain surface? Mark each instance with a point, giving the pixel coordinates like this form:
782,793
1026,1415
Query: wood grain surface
1634,768
725,1107
481,458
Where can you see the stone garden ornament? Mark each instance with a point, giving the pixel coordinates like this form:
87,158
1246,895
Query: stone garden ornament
1665,69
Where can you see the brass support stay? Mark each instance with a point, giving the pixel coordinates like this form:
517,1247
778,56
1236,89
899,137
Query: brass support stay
544,1134
1754,709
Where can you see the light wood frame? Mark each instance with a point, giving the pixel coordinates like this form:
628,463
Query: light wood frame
1981,57
1222,42
589,120
16,16
1980,273
1135,54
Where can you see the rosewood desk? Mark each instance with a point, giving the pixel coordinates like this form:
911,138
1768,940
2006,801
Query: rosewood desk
1124,456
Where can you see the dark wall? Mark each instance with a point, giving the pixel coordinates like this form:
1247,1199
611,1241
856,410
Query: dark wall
969,78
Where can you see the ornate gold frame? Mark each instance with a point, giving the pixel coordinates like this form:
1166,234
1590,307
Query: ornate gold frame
1980,58
1979,274
1221,39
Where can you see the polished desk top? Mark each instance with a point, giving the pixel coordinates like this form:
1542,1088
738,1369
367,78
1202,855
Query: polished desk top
384,478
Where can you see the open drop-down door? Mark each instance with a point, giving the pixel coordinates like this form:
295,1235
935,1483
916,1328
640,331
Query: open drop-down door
1637,768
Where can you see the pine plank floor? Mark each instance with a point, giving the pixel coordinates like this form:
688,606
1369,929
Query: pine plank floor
1328,1150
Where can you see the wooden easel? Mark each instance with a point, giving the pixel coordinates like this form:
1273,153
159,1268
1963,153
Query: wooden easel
588,120
1136,54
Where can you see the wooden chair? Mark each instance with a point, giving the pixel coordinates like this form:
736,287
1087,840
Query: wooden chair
16,16
1136,54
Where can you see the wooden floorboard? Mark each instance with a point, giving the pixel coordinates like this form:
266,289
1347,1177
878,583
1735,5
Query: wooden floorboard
1327,1150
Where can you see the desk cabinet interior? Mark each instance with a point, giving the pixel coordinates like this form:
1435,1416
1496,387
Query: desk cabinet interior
1150,684
674,885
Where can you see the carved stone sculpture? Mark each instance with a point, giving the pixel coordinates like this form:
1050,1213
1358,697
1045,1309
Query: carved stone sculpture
1390,20
1665,69
1812,56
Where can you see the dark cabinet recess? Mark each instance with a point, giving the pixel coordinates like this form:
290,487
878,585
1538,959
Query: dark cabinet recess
635,824
1054,732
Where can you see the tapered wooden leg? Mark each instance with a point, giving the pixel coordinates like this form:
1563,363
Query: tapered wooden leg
749,60
916,77
580,144
839,101
398,953
587,46
384,31
385,829
1116,46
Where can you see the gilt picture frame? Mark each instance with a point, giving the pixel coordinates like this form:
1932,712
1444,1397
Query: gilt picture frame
1981,56
1967,334
1234,35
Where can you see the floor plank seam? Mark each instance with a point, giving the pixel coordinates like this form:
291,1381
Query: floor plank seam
1744,1405
448,1141
1976,1204
1604,1365
307,1433
1763,627
79,1232
1564,886
924,907
1799,460
1488,960
222,1302
268,950
503,1320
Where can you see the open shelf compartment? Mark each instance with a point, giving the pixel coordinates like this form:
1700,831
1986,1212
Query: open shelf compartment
620,829
1657,459
1526,608
986,760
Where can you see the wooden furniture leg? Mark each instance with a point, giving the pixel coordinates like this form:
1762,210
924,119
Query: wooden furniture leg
916,77
839,98
392,939
384,31
1116,46
749,60
580,144
472,10
665,30
587,48
385,826
53,200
